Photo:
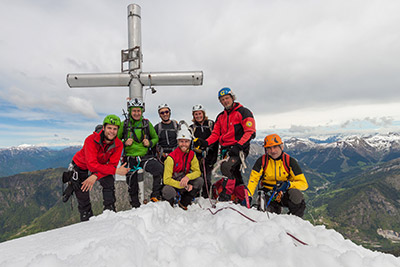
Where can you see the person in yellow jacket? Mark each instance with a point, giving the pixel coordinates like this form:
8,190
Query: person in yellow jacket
182,176
280,175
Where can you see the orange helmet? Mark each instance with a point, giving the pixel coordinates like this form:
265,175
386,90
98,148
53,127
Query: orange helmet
272,140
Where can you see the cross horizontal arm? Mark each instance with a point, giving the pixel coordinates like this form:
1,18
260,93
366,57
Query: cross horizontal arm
145,78
98,80
171,78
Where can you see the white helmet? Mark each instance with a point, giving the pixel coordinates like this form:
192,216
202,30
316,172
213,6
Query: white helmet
198,107
163,106
136,102
183,132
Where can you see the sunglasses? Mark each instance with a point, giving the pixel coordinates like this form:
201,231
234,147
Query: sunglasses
164,112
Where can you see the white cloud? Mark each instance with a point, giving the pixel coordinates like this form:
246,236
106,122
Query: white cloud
303,63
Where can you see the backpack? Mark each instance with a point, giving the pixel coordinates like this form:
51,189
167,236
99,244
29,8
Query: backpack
237,196
285,159
159,127
98,128
145,130
193,127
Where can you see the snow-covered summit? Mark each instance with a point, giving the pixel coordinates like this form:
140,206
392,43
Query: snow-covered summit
158,235
378,142
384,141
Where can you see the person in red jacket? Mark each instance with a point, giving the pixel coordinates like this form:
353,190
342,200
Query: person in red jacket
97,160
234,128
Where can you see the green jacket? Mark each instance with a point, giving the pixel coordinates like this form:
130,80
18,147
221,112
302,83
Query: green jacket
136,131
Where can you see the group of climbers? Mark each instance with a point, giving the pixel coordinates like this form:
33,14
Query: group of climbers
181,158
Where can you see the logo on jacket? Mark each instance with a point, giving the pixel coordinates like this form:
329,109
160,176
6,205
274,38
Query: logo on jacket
249,124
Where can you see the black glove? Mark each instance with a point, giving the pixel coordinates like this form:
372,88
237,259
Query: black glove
235,150
282,186
201,143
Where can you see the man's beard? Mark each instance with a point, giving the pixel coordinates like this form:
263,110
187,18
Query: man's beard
230,107
108,139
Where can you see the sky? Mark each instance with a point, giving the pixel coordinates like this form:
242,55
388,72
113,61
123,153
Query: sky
158,235
302,67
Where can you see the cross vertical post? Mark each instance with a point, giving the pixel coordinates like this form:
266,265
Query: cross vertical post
132,75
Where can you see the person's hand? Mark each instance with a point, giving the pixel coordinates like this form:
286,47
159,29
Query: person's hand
122,170
146,142
200,143
184,181
235,150
129,142
189,187
87,185
282,186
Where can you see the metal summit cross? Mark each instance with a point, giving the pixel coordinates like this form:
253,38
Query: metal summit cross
131,67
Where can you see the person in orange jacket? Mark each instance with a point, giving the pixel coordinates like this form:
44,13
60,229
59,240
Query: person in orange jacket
280,175
97,160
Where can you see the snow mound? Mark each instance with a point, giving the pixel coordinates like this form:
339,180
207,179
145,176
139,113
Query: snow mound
158,235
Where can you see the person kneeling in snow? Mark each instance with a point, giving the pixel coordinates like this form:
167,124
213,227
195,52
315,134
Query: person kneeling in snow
280,176
97,160
182,174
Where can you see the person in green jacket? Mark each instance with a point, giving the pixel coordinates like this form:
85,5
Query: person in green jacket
139,137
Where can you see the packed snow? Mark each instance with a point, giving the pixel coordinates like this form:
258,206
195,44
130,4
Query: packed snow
158,235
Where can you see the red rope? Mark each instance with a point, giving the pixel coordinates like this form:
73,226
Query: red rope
213,213
250,219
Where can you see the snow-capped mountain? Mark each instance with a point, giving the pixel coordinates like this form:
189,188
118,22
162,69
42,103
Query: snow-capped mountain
31,158
379,142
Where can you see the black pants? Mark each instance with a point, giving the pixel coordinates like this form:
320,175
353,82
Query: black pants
204,164
169,192
151,165
293,199
84,205
230,169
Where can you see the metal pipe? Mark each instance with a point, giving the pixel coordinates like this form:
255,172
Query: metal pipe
171,78
135,40
98,80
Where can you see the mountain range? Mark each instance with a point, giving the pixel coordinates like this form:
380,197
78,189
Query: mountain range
31,158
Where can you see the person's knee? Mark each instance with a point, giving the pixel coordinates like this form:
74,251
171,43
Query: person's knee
295,196
226,169
168,192
197,183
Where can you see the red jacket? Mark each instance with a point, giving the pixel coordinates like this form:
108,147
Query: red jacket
234,126
98,157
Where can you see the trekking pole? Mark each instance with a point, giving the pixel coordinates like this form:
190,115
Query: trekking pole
270,199
203,154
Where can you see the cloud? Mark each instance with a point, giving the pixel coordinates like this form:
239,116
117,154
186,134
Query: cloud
301,129
277,56
81,106
382,121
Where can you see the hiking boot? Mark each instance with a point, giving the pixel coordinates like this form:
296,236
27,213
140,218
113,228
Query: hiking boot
109,207
154,199
135,204
274,207
182,206
223,197
85,215
67,193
